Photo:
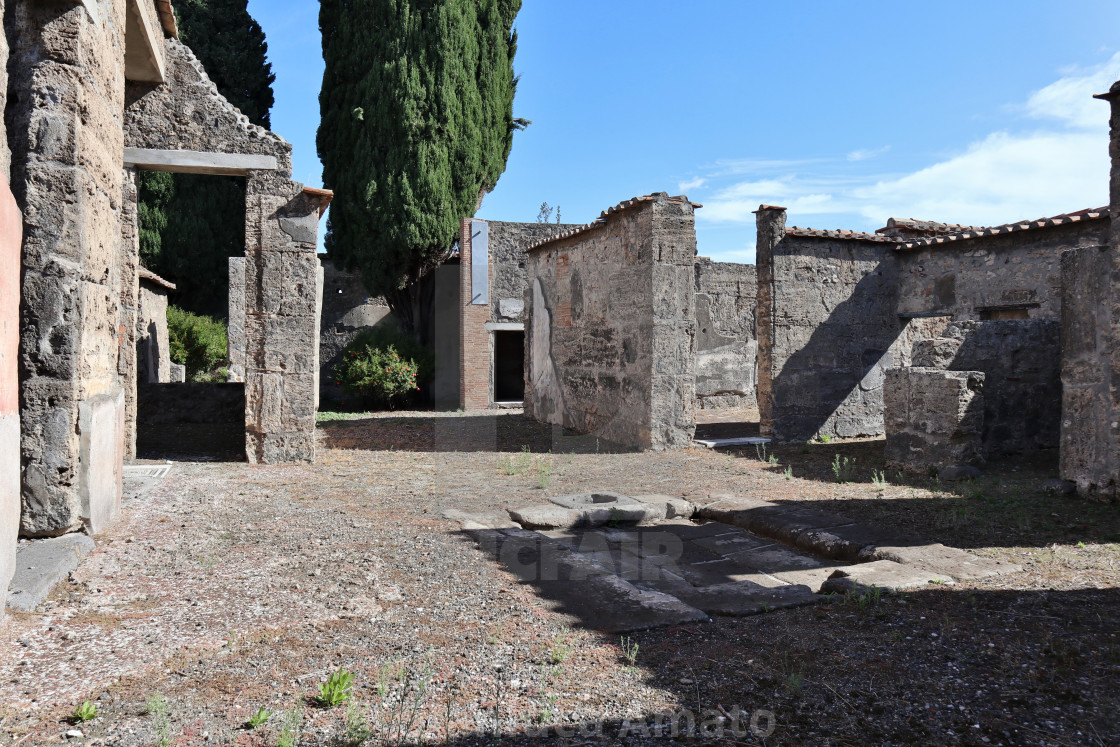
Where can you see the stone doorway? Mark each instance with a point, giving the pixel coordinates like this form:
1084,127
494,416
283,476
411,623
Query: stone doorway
509,366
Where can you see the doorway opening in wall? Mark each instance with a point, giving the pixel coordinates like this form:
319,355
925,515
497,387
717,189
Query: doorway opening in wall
509,366
190,225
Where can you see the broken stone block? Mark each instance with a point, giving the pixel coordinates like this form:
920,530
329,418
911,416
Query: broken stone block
933,418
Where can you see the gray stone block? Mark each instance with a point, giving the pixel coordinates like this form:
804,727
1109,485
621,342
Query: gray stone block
41,564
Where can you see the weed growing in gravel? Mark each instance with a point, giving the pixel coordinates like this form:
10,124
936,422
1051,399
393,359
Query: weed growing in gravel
336,690
842,468
259,718
558,653
629,650
156,706
547,711
879,479
788,473
793,673
404,704
824,438
760,451
356,729
85,712
519,464
291,729
544,474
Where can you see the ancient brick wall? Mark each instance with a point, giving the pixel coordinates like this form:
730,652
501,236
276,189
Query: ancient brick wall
981,276
67,177
611,327
502,245
726,347
1018,363
475,347
828,327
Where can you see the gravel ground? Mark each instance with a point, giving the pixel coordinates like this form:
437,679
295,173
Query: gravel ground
229,588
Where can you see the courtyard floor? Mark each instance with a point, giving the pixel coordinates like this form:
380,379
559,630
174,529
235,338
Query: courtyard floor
227,588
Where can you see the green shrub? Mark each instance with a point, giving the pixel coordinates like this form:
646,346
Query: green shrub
381,367
407,346
199,343
378,376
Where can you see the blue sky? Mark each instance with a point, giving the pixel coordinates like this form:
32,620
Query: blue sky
847,113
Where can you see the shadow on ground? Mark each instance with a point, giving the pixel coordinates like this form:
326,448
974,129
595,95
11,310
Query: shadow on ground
450,432
191,442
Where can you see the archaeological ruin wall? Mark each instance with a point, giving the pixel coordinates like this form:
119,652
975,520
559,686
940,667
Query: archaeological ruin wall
995,273
67,178
726,346
490,311
1090,365
828,328
612,326
348,309
185,125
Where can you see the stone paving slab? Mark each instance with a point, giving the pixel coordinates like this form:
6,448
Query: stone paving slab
882,574
41,564
579,586
948,563
838,537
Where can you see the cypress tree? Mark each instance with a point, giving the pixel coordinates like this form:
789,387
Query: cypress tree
417,124
191,224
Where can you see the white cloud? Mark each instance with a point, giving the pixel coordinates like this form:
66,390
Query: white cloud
1001,179
1069,99
864,154
692,184
1005,176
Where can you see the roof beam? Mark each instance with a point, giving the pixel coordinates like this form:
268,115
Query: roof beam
198,162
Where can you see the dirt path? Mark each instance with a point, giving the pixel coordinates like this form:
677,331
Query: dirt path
229,588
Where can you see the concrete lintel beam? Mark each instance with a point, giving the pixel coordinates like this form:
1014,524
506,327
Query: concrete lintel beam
505,326
198,162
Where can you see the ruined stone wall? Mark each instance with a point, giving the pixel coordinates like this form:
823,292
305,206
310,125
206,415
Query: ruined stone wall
1086,456
726,347
968,278
153,360
348,308
828,328
130,323
187,113
66,95
611,329
1022,386
1090,440
281,292
933,418
497,297
508,276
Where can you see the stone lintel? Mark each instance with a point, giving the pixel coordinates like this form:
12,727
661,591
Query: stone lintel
198,162
505,326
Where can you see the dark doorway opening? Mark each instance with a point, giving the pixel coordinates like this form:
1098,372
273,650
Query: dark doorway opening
509,366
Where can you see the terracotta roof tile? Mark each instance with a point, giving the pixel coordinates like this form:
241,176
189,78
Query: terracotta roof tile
602,219
167,18
857,235
1027,225
146,274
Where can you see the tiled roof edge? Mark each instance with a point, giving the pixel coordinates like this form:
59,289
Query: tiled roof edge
602,219
1080,216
